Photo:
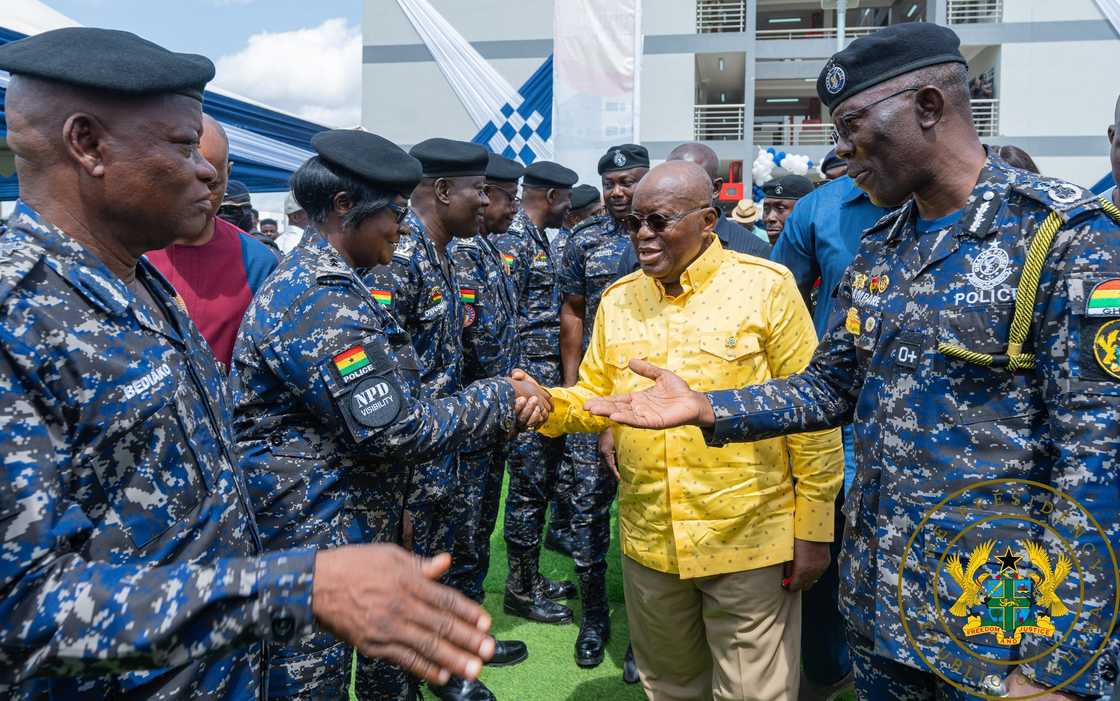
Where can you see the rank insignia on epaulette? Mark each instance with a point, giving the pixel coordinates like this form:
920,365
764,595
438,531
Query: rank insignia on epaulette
382,297
436,296
852,324
1106,347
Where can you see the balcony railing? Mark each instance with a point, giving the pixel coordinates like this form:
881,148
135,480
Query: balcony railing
974,11
985,115
718,122
721,16
817,33
813,134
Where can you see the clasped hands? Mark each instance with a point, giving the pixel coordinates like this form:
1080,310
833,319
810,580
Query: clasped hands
533,403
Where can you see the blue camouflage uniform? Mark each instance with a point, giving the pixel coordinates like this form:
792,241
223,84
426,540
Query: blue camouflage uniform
491,349
928,423
589,265
127,543
534,459
426,303
320,474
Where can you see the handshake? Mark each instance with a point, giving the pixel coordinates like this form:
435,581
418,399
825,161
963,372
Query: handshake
533,403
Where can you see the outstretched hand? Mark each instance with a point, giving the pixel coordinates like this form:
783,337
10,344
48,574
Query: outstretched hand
670,402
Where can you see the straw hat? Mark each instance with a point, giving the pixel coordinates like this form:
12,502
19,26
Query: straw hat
746,212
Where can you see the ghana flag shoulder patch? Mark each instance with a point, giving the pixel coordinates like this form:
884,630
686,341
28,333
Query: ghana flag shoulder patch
382,297
468,295
351,362
1104,300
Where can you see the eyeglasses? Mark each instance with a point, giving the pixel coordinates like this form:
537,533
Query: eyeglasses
842,129
399,211
512,195
656,222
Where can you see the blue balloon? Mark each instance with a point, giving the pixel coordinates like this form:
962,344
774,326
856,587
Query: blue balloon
780,157
757,193
770,150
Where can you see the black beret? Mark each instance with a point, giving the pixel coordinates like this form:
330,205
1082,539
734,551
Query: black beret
624,157
369,157
236,193
108,60
549,174
584,196
832,161
503,169
447,158
788,187
889,52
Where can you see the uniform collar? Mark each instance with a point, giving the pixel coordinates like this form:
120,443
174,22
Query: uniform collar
699,272
329,260
980,210
89,275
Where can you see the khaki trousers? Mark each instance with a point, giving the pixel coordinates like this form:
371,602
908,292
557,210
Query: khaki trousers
729,637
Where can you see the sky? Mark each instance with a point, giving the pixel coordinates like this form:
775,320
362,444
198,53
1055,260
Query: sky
301,56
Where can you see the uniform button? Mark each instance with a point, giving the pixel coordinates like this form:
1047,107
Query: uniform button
275,440
989,195
283,625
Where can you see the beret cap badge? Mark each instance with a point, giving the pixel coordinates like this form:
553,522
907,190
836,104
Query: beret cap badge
834,79
619,158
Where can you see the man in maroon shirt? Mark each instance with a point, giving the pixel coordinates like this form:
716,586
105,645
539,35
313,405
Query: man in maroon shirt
217,272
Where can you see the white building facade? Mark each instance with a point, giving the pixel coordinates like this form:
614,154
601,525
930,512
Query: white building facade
740,73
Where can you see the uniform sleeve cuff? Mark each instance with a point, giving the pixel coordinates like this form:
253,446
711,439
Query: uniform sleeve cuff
721,432
814,520
284,594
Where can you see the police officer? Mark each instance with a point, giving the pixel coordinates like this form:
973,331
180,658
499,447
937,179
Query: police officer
328,424
586,203
491,349
973,338
130,562
780,195
419,287
534,460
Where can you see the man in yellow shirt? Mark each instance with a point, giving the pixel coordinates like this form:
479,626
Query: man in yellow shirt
717,542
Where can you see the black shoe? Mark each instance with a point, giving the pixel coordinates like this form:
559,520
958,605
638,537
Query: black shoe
462,690
557,589
595,624
536,607
594,633
630,667
559,541
508,652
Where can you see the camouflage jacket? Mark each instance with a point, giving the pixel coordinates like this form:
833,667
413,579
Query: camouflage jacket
326,467
590,263
490,342
128,542
928,424
533,265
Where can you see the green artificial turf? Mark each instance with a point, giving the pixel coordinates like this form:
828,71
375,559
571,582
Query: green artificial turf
550,673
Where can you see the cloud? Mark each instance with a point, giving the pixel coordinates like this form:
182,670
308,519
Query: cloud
314,73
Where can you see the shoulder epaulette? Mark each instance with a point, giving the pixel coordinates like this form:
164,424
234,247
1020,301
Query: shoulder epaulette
17,260
1066,199
597,220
